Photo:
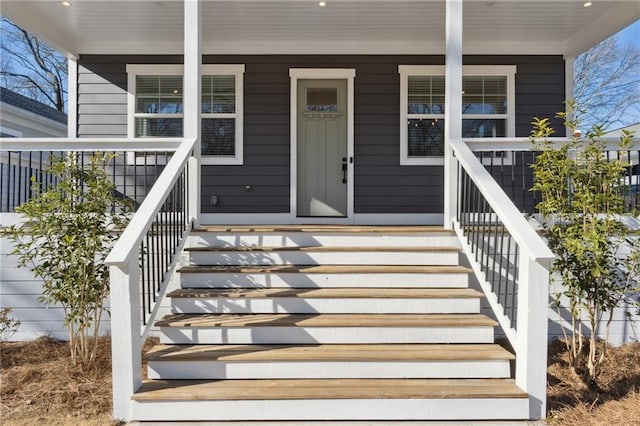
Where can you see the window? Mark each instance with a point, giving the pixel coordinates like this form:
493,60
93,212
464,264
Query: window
156,107
488,108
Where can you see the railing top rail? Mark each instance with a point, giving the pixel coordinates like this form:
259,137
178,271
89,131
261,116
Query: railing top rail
511,217
524,144
130,239
90,144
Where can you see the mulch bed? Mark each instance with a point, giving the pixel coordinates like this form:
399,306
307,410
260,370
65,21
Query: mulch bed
39,386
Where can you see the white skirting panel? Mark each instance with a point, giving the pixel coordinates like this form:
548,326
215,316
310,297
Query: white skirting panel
335,409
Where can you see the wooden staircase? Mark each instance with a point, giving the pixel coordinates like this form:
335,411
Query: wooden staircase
326,323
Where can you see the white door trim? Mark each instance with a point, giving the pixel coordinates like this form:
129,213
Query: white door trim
321,74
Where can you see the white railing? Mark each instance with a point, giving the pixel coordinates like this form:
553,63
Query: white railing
510,261
144,257
508,160
149,244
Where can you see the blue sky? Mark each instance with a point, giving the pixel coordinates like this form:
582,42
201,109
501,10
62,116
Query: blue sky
631,34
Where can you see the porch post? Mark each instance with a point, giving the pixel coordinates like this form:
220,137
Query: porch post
72,97
125,336
531,338
452,105
569,83
191,98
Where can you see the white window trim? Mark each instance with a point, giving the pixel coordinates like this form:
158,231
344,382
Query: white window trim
405,71
178,69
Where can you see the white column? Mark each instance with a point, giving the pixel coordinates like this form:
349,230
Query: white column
531,334
569,83
72,97
453,105
126,344
191,97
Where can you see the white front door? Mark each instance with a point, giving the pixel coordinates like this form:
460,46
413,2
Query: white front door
322,161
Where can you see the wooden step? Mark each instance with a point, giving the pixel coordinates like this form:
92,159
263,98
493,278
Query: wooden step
323,249
330,399
327,361
326,320
326,269
391,229
397,352
325,328
343,255
324,276
327,293
326,300
300,389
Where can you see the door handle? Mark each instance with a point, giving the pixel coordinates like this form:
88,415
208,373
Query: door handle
344,169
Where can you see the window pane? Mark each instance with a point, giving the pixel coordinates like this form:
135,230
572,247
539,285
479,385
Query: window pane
483,128
168,127
426,138
322,99
159,94
426,95
218,94
484,95
218,136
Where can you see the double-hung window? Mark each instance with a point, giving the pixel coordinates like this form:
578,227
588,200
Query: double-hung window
488,108
156,107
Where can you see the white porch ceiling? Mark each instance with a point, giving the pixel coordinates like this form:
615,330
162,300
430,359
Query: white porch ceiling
342,27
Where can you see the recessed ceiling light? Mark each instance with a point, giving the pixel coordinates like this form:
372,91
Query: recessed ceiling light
66,3
322,3
587,4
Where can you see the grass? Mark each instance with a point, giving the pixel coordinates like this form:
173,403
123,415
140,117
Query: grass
39,386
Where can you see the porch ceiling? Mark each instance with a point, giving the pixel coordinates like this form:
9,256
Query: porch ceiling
342,27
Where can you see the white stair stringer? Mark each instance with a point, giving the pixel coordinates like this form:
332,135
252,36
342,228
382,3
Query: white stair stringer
326,323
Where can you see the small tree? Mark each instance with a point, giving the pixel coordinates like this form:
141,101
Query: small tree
8,326
68,232
581,192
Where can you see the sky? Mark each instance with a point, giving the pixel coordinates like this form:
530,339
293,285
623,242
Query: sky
631,34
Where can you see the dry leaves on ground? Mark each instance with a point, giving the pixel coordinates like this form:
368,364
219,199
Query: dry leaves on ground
39,386
615,400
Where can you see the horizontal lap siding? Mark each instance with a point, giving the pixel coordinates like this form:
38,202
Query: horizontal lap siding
261,184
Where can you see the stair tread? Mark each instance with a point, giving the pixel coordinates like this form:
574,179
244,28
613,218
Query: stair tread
325,320
324,249
329,352
327,293
300,389
327,269
324,229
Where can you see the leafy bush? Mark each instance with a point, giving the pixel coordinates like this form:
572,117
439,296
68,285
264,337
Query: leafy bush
581,199
67,234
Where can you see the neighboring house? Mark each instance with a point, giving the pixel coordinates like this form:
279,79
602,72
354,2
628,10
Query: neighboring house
306,122
22,117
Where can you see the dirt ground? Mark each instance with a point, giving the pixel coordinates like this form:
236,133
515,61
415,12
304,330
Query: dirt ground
39,386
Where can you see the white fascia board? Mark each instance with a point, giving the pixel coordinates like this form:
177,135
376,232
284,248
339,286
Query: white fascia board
18,116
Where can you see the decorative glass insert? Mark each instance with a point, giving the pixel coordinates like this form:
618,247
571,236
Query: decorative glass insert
320,99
